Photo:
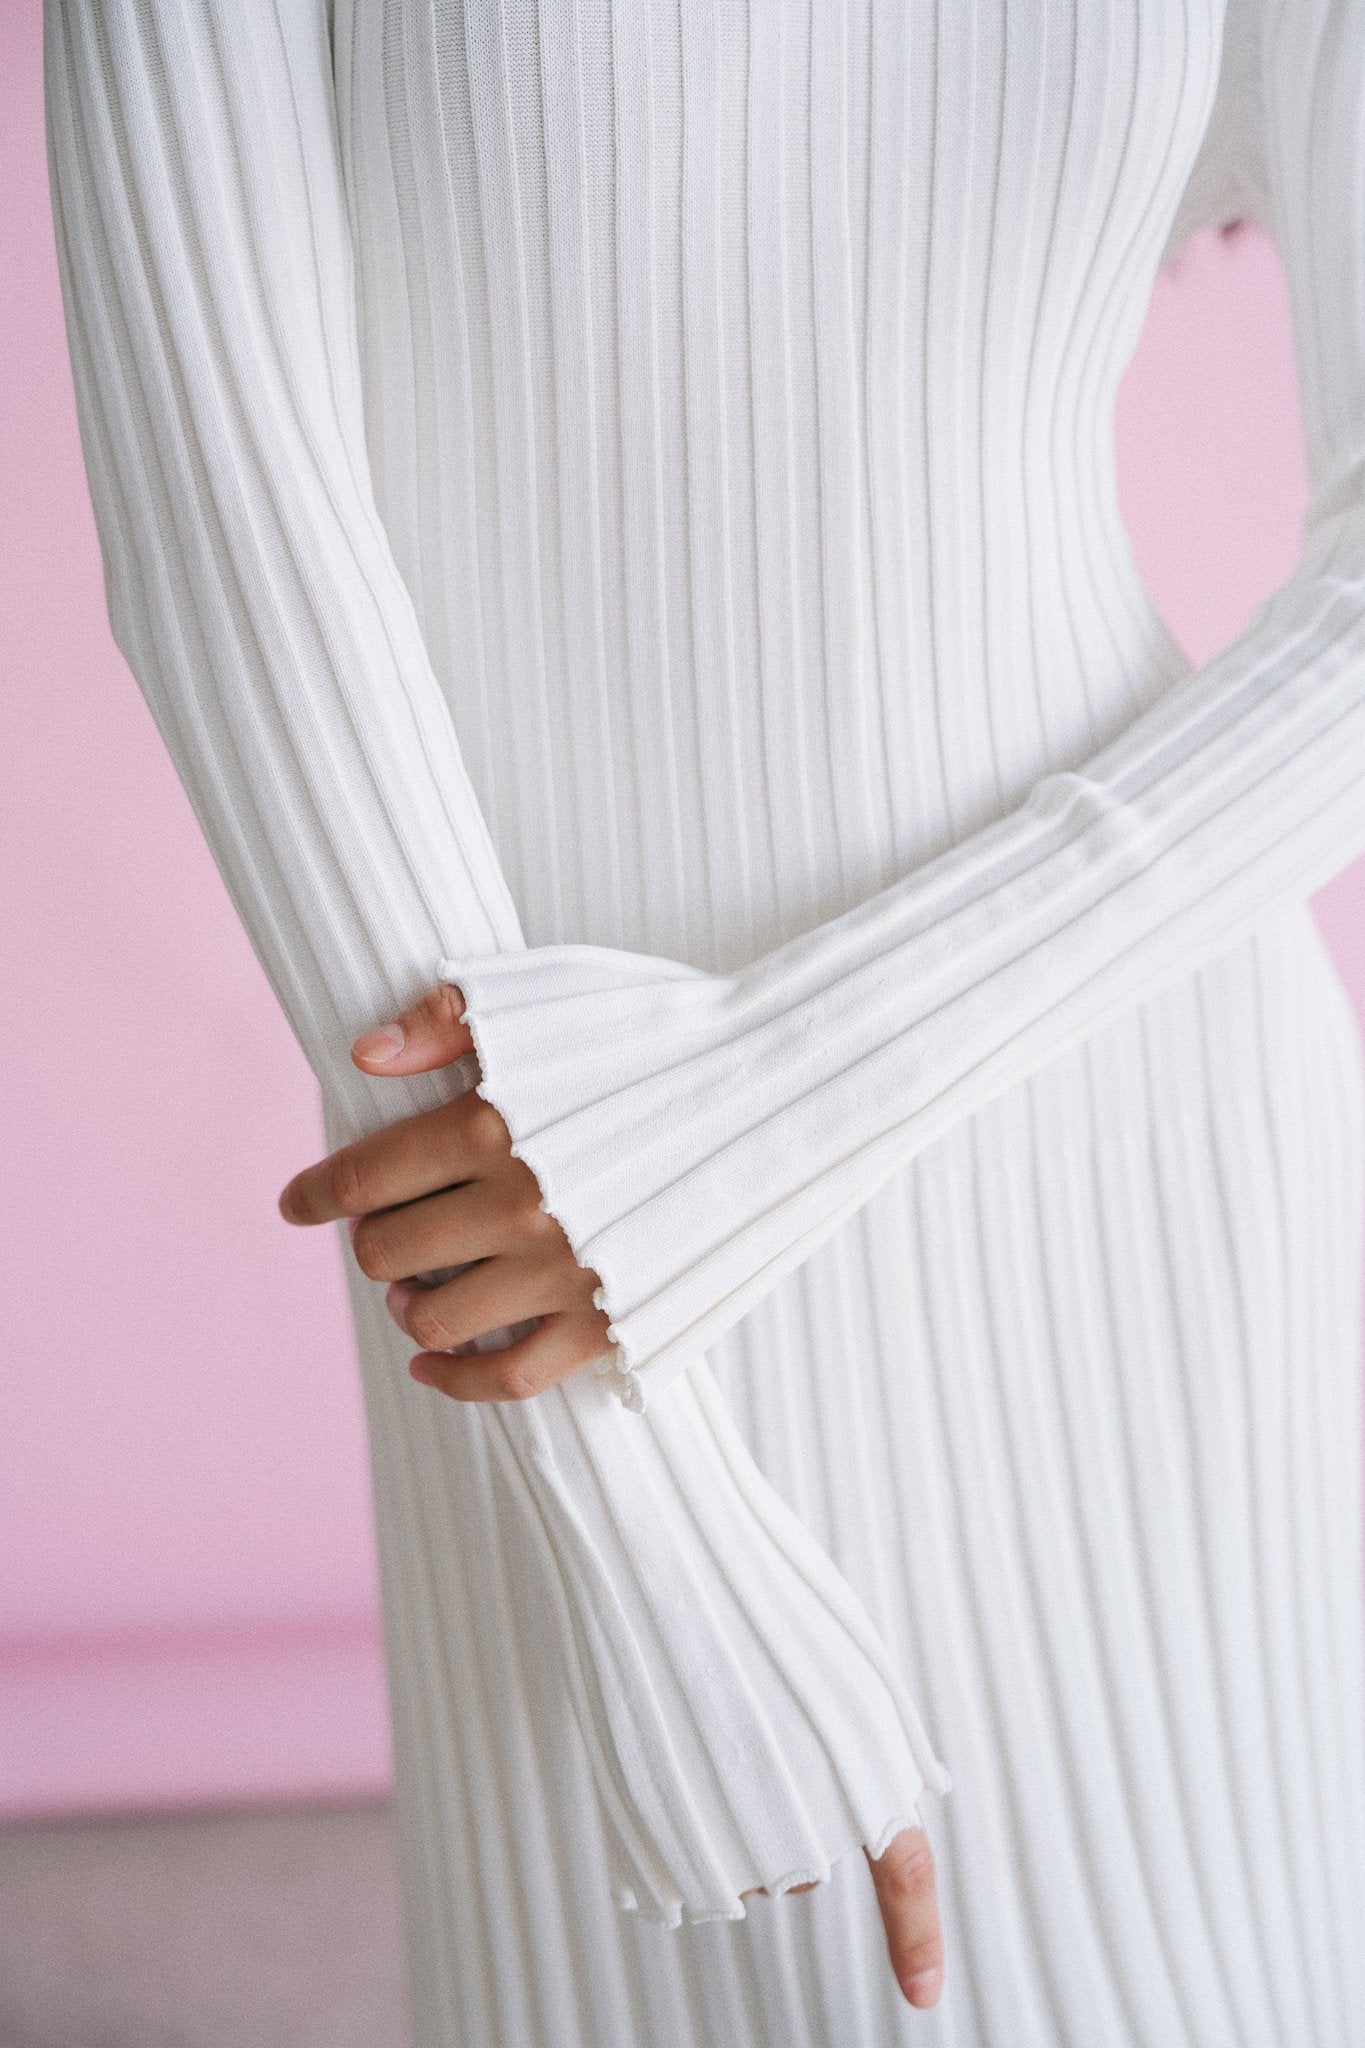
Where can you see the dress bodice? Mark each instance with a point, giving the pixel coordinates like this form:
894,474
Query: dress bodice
744,374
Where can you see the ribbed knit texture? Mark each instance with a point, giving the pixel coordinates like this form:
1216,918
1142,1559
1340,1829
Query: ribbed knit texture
613,504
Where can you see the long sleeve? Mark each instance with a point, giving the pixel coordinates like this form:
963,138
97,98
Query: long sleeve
697,1134
743,1721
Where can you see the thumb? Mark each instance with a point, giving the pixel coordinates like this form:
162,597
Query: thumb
428,1034
907,1893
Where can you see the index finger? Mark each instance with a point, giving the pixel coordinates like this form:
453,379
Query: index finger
434,1148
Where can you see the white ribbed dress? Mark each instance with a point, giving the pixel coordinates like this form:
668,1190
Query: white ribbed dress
612,502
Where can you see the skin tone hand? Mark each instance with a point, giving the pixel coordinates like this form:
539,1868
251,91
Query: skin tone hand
442,1188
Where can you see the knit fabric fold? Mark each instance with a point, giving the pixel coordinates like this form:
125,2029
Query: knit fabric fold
696,1136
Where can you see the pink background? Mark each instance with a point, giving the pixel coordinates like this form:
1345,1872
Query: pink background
188,1604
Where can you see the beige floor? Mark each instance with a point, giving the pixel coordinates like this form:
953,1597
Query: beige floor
273,1929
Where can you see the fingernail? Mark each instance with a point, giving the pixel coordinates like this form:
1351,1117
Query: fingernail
397,1295
385,1043
924,1988
421,1374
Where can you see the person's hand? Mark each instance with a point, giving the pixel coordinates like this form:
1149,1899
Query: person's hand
442,1189
906,1893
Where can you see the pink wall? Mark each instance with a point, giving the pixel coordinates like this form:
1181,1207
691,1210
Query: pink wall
188,1588
188,1600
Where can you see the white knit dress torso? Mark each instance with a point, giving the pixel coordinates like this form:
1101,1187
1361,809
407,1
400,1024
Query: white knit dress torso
613,501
